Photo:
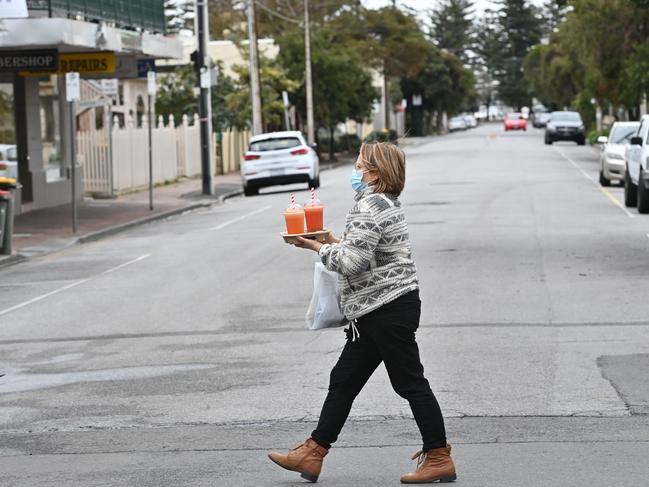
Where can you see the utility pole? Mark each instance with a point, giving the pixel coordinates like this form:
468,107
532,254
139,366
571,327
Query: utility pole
204,108
255,88
309,86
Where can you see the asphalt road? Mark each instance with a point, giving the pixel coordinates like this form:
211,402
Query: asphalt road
176,354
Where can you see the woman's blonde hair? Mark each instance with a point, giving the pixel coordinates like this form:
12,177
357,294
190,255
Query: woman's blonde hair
388,162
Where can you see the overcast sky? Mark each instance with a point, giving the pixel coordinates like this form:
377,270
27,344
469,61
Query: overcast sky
423,5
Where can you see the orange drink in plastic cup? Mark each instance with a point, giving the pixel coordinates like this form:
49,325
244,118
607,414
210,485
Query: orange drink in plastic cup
314,212
294,216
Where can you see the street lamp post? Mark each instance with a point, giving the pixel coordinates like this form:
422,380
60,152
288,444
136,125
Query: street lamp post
307,74
203,74
255,90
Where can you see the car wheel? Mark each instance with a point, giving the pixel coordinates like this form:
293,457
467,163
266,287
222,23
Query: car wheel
548,140
314,183
630,191
250,191
643,195
581,141
602,179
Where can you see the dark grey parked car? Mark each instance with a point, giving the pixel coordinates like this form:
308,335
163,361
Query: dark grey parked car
565,126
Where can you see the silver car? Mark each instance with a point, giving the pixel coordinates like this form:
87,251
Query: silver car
612,163
457,123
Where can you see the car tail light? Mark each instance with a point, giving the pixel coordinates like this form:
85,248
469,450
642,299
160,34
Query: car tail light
300,152
3,166
251,157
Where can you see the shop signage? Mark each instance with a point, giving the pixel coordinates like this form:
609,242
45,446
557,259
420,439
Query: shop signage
87,63
32,60
144,66
110,87
82,63
13,9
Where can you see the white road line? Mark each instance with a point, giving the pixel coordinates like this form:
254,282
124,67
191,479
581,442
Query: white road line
43,296
113,269
606,193
70,286
239,218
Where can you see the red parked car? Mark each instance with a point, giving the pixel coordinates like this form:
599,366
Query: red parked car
515,121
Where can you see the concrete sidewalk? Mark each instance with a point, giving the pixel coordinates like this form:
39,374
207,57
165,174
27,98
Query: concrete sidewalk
40,232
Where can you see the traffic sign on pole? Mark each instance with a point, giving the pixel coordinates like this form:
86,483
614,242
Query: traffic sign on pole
72,86
150,83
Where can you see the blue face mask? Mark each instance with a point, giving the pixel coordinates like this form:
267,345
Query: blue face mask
357,180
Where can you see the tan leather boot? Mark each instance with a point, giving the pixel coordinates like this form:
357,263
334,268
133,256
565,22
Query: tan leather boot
305,458
432,466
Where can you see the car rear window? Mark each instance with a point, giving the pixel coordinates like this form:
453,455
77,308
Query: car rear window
622,134
274,144
566,117
514,116
12,154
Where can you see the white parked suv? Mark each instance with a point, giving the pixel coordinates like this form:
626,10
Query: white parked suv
611,160
636,176
279,158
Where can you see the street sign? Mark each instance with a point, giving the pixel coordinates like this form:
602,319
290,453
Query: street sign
13,9
84,105
31,60
110,87
416,100
206,78
150,83
144,66
285,98
72,86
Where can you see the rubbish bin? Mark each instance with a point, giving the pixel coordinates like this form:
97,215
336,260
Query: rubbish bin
7,185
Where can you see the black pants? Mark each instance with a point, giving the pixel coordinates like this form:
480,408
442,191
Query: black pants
386,335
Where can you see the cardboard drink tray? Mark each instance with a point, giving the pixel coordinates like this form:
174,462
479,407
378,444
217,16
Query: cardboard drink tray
320,236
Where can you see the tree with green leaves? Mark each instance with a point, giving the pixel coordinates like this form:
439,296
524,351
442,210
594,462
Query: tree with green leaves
520,27
342,87
274,79
445,86
175,95
452,27
393,43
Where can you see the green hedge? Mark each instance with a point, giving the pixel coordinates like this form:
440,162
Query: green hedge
594,134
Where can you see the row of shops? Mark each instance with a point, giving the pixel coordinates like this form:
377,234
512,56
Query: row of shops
36,52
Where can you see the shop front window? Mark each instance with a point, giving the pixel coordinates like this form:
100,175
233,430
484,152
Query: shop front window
51,130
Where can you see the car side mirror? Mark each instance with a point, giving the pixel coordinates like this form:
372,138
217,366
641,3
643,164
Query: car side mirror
602,139
636,140
314,146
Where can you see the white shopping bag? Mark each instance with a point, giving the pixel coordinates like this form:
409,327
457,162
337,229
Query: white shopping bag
324,308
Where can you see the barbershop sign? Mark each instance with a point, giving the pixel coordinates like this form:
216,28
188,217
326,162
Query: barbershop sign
32,61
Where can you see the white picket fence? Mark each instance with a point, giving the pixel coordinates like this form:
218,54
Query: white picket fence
118,162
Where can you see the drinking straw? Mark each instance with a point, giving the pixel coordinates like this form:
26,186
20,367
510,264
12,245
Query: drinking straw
312,196
292,201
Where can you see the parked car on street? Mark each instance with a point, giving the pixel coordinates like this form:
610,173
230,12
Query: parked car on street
471,121
611,160
540,119
8,161
457,123
636,176
565,125
279,158
515,121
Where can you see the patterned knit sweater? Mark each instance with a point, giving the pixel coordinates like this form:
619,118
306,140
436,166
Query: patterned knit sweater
373,259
